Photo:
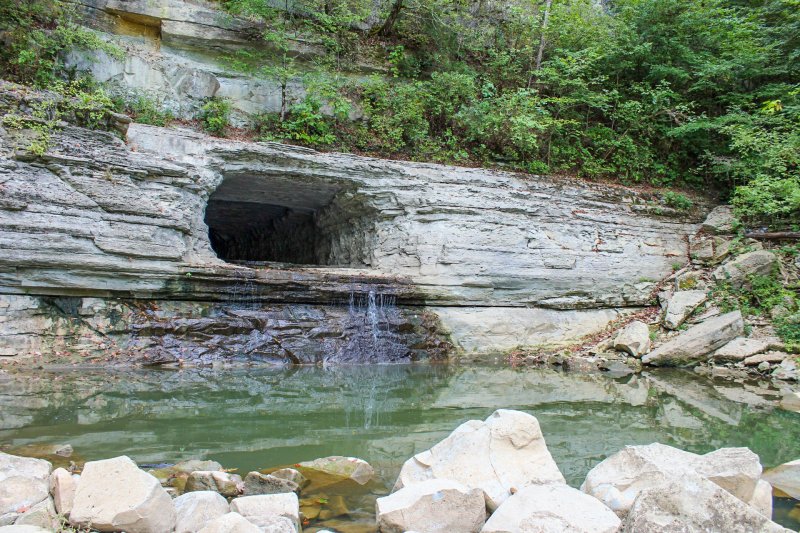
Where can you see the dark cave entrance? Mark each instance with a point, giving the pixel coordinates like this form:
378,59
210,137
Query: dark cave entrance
288,220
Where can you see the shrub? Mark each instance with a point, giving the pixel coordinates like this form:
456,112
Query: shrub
146,109
677,200
215,115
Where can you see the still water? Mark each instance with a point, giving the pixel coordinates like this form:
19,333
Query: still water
254,419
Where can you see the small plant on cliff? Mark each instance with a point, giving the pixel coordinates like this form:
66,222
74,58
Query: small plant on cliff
215,115
146,109
677,200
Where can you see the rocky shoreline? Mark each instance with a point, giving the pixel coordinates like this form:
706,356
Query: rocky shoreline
487,476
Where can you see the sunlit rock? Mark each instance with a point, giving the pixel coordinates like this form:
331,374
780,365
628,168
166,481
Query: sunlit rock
434,506
194,510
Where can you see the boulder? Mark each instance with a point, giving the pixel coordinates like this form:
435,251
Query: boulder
786,370
634,339
740,348
694,504
62,489
791,401
43,515
505,452
720,221
681,305
709,250
292,475
736,271
261,510
768,357
785,478
619,479
183,469
762,498
24,529
694,344
115,495
231,523
229,485
433,506
554,508
23,482
258,483
352,468
195,510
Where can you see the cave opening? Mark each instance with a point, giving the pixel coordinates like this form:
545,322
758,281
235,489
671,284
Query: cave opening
276,219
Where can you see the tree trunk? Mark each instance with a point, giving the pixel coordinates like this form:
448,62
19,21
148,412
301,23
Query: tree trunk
394,14
543,41
774,236
283,101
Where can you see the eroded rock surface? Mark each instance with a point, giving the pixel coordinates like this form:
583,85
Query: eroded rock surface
435,506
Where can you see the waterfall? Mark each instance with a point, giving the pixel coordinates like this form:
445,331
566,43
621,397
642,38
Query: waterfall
372,319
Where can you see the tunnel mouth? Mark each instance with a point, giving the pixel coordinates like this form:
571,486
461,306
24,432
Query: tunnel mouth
279,219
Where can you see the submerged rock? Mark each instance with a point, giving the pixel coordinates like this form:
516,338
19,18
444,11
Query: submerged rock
258,483
692,503
541,508
231,523
352,468
506,451
681,305
619,479
698,341
786,478
433,506
634,339
290,474
115,495
23,482
195,510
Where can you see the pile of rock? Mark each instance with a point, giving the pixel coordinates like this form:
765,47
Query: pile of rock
712,337
498,476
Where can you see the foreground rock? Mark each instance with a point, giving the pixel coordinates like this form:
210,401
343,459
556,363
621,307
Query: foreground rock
694,504
266,510
62,489
618,480
545,508
24,529
737,271
634,339
786,478
352,468
506,451
115,495
681,305
229,485
231,523
698,341
196,509
23,482
433,506
43,515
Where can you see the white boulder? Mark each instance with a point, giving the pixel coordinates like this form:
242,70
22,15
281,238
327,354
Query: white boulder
546,508
505,452
115,495
634,339
43,515
694,504
694,344
263,509
762,498
681,305
786,478
23,529
618,480
62,489
196,509
433,506
230,523
23,482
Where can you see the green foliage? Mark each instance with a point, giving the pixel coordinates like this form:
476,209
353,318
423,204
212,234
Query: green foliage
678,201
215,115
146,109
35,33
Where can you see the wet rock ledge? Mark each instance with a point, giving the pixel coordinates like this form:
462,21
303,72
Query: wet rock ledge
487,476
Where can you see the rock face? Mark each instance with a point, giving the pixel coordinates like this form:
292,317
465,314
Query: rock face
97,218
23,482
698,341
681,305
114,494
552,508
194,510
786,478
634,339
736,272
620,479
435,506
694,504
506,451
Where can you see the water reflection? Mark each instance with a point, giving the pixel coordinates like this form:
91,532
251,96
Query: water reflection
259,418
